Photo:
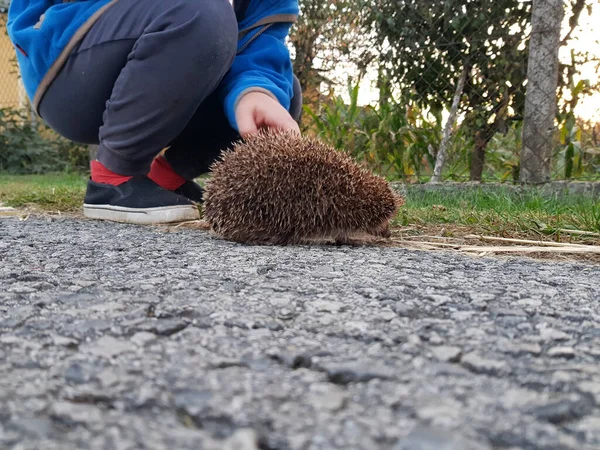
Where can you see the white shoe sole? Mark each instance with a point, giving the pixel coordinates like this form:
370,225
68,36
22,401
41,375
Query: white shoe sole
142,216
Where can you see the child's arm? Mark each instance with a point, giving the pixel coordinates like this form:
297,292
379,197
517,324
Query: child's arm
264,67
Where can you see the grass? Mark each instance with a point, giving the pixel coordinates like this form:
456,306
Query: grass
49,192
502,212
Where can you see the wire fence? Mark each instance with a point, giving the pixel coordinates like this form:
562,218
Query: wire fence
11,90
516,82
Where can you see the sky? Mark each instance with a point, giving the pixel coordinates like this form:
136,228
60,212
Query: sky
587,37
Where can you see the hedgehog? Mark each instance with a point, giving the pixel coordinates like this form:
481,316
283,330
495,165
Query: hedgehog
280,188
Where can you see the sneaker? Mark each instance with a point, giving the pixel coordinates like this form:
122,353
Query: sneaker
191,190
139,200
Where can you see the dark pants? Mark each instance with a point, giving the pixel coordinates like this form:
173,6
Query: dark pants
144,78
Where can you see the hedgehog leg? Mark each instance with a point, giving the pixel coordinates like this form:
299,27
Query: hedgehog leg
281,240
383,230
343,239
277,240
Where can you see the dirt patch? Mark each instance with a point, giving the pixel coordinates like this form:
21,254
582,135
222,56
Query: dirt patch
556,247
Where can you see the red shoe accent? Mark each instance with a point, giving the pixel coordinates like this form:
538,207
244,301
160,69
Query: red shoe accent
100,174
163,174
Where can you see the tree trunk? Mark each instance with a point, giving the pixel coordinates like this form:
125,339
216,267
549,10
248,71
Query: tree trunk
541,98
384,85
441,155
478,158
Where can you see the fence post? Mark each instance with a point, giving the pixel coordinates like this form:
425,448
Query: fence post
541,98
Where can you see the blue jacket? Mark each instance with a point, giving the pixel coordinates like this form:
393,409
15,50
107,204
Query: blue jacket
44,32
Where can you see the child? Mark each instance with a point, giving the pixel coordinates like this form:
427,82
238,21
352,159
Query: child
138,76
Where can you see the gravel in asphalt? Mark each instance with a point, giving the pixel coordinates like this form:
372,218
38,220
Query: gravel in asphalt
124,337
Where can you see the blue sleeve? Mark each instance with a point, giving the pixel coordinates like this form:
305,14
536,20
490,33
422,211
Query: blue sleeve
264,65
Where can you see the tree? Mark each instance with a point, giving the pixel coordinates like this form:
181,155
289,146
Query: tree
568,70
571,91
541,99
441,155
430,44
326,35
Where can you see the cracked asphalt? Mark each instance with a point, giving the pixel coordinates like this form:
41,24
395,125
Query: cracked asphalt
125,337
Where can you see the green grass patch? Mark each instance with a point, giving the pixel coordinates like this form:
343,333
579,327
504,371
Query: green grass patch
51,192
502,211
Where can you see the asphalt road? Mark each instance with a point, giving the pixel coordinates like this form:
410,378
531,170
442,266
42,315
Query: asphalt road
126,337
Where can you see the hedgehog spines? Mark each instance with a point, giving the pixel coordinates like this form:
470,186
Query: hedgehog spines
280,188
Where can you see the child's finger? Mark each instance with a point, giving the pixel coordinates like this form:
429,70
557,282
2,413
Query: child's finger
246,125
283,122
295,128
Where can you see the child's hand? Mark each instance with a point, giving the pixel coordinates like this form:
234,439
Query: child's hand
257,110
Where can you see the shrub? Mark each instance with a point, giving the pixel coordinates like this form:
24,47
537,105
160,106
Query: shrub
400,141
395,139
28,148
